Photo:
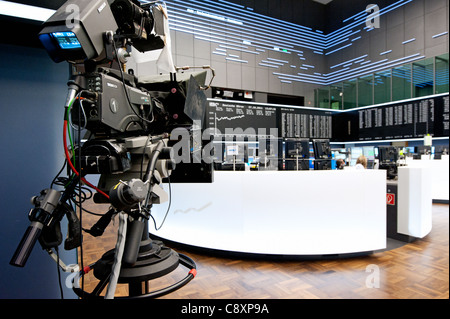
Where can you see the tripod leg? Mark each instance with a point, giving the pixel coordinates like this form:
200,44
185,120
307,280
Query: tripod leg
101,286
138,288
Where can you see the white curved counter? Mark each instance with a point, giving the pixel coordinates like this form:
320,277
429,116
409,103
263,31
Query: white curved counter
279,212
439,176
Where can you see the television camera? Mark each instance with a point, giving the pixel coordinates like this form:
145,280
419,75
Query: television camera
126,122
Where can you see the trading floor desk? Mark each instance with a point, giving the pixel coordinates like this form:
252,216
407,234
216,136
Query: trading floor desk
279,212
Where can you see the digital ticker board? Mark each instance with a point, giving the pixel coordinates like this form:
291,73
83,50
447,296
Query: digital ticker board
409,119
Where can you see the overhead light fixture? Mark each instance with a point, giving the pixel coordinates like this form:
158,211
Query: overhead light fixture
24,11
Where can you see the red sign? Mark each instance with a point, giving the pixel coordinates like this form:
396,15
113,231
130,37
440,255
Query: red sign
390,199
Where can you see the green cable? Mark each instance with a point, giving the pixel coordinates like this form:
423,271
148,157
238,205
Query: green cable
70,139
68,131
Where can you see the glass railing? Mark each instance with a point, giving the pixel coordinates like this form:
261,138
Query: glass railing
421,78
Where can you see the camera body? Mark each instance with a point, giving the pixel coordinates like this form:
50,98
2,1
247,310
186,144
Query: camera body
111,110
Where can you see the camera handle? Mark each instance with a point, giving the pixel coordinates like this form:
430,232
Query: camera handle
50,208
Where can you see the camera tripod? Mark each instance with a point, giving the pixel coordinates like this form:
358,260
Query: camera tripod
137,258
154,260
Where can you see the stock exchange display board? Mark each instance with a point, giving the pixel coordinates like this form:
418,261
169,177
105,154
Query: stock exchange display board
253,119
404,120
305,123
397,120
241,119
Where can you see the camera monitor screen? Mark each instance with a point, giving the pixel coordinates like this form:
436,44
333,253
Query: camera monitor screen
66,40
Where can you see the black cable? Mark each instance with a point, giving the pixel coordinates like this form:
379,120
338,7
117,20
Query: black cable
80,196
59,173
59,272
125,86
168,208
143,155
86,192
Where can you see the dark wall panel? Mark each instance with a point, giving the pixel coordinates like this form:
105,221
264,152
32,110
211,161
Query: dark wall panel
32,96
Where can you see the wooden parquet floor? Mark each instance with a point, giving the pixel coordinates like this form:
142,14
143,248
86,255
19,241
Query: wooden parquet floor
417,270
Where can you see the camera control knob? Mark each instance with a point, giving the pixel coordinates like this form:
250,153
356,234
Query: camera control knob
126,196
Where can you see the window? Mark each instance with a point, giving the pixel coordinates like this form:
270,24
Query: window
401,83
350,94
382,87
423,80
323,97
441,75
365,90
417,79
336,96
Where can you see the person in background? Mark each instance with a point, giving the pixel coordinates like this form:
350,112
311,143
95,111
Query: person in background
340,163
361,162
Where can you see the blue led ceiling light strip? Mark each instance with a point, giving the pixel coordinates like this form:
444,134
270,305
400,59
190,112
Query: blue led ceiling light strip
283,30
271,62
363,19
182,19
236,60
216,37
408,41
342,31
338,71
283,24
276,60
296,78
285,41
439,35
268,65
371,68
225,39
195,30
385,52
246,16
354,60
343,39
365,62
338,33
355,16
300,80
383,11
301,75
333,41
338,49
232,4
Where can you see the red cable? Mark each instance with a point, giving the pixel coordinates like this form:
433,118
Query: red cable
193,272
71,165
